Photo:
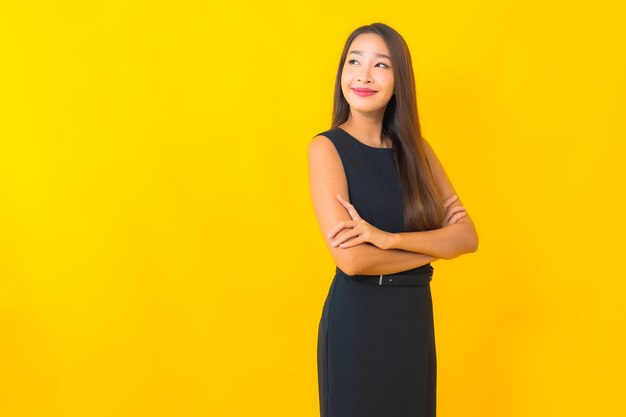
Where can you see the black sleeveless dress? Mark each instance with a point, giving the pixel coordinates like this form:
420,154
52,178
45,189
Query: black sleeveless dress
376,344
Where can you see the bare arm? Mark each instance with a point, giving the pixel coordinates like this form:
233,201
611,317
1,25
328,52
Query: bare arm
449,241
327,179
446,243
370,260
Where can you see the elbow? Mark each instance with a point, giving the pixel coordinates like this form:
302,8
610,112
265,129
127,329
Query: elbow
448,255
471,239
347,264
472,245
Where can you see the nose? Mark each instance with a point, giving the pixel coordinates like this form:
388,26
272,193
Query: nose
364,76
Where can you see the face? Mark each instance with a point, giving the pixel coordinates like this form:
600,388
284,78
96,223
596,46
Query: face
367,66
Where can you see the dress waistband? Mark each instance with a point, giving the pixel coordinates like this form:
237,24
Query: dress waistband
412,278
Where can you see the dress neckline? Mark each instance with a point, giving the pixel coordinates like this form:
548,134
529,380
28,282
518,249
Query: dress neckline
361,143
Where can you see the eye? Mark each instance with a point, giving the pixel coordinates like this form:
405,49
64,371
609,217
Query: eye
381,63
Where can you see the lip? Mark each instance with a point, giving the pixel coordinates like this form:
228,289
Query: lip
363,92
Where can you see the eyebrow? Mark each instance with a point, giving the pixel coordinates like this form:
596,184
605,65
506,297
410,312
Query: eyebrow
361,53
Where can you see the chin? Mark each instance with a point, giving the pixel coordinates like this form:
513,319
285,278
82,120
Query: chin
366,109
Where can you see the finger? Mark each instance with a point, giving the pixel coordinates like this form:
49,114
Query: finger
453,210
449,218
344,237
353,242
340,198
340,239
340,226
351,210
353,213
456,209
335,229
458,217
450,200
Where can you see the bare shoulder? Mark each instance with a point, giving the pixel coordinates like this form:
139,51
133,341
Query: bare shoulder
320,143
323,154
327,179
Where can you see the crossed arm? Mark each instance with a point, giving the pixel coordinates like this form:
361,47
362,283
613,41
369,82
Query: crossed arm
367,259
446,243
409,250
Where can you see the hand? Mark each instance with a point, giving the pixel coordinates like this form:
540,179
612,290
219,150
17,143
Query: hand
362,231
453,214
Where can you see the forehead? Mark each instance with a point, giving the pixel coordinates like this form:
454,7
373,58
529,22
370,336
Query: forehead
369,44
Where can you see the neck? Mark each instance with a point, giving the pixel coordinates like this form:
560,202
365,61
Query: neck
366,128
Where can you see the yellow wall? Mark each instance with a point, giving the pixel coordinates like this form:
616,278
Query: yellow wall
159,255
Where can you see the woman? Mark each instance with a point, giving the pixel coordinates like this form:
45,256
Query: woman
387,210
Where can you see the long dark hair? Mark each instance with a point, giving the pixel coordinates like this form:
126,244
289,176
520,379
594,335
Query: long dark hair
423,204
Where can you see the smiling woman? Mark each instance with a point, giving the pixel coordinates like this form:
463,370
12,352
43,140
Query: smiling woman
386,210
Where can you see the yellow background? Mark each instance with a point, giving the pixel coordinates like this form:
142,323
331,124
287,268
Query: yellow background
159,255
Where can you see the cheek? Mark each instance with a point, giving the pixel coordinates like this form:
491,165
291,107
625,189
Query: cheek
388,82
346,83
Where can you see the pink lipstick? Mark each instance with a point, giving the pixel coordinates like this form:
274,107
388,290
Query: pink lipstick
363,92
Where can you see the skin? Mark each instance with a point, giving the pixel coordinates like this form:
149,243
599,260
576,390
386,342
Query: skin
362,231
356,246
364,69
